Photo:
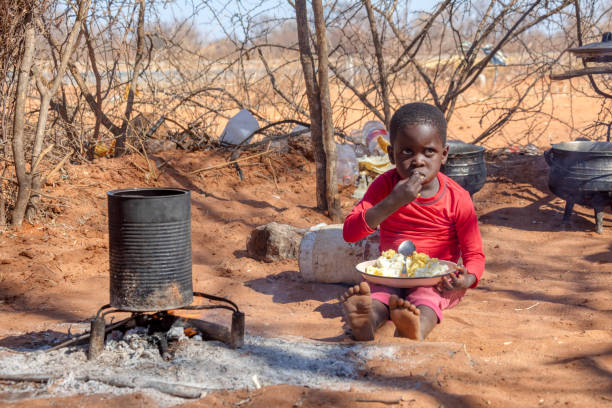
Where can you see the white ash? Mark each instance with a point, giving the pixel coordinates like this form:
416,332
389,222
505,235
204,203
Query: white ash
207,365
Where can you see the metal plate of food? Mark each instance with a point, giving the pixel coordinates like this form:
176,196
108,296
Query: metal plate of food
403,282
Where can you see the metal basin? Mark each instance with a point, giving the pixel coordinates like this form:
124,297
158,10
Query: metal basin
466,165
581,173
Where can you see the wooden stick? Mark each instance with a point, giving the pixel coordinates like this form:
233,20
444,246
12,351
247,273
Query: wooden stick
273,175
137,166
381,401
272,168
85,336
59,165
64,199
39,159
151,168
41,378
581,72
274,138
230,162
211,330
178,390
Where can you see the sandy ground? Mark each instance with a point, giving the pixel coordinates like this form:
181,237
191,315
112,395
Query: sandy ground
536,332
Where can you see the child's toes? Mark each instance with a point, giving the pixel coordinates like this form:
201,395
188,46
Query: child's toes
413,308
394,302
363,288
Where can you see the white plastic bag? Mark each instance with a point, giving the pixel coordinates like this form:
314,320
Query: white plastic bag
239,127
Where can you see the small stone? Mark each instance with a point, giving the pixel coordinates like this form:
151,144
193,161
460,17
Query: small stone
274,241
176,333
27,253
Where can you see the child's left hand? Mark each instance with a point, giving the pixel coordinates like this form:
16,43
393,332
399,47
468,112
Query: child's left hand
459,280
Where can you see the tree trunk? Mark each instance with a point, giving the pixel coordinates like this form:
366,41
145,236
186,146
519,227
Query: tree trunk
138,63
314,103
45,100
327,125
2,199
23,177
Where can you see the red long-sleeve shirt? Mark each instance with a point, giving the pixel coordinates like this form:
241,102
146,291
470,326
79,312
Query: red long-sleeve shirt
443,226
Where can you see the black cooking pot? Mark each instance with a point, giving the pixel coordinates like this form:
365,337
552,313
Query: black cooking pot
150,249
581,172
466,165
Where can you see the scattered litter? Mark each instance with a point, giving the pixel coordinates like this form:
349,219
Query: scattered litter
239,127
346,165
317,227
507,342
244,401
527,308
362,185
375,137
256,381
466,352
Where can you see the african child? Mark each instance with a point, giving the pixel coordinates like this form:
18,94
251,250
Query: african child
416,202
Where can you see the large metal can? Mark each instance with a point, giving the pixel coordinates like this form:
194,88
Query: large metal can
150,249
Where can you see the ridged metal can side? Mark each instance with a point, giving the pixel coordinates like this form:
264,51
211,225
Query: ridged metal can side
150,249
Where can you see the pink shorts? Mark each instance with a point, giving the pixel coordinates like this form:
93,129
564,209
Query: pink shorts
422,295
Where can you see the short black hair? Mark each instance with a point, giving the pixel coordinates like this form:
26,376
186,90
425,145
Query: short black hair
418,113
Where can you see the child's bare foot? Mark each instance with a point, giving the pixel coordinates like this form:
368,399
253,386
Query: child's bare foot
406,317
357,305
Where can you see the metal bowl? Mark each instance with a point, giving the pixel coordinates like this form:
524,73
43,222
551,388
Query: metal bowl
402,282
466,165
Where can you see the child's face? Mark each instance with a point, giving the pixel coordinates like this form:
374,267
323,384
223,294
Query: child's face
417,149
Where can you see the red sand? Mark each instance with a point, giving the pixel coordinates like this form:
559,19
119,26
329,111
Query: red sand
535,333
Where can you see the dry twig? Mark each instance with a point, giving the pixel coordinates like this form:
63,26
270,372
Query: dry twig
59,165
380,401
230,162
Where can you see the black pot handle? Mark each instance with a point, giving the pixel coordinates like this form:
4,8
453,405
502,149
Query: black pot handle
548,156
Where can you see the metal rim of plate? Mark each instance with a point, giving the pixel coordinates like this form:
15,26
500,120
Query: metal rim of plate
407,282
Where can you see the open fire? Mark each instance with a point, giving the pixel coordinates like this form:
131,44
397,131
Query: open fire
150,273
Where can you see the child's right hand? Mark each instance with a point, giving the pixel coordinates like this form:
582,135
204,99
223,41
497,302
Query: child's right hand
406,190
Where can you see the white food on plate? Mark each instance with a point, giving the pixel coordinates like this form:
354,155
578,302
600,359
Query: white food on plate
419,265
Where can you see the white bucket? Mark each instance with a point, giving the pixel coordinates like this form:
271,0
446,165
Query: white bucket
326,257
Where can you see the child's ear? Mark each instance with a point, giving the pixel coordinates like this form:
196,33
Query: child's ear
445,154
390,153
